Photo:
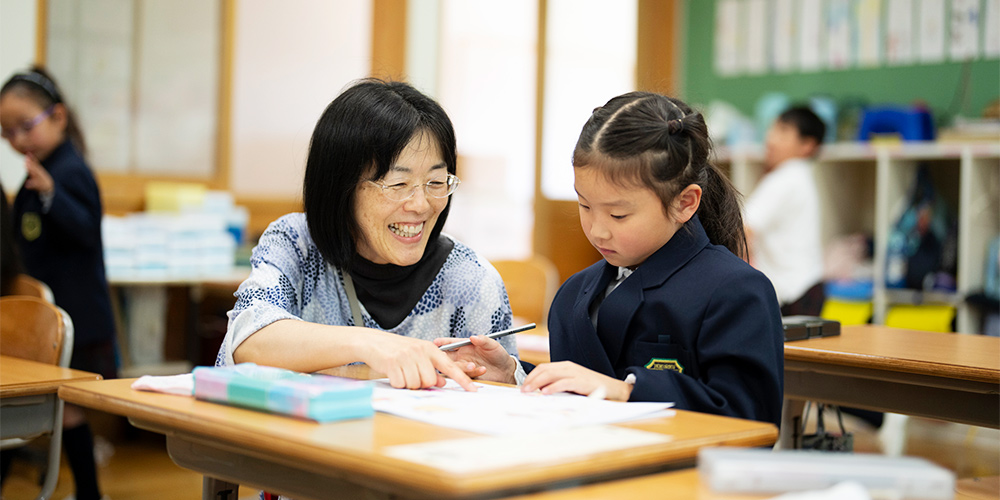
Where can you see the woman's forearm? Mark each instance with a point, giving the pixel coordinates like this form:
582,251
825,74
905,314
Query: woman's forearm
303,346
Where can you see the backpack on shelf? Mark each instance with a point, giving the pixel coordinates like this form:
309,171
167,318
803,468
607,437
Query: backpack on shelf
922,247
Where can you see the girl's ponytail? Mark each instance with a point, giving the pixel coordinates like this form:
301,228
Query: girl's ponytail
720,211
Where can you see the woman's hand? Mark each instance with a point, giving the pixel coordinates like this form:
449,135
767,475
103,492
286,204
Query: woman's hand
485,359
38,178
412,363
567,376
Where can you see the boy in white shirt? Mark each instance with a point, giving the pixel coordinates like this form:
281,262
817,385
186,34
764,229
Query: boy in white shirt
783,214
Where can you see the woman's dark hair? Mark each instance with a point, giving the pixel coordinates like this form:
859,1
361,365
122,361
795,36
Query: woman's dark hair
650,140
359,136
40,87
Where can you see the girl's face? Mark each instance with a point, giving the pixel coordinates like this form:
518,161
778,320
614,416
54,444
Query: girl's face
626,225
30,128
395,232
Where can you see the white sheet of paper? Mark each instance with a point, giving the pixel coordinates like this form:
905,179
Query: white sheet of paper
757,29
964,33
932,31
899,39
494,452
728,32
839,35
783,43
811,35
869,30
505,410
991,29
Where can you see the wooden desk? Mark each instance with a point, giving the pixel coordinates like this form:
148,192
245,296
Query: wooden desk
309,460
28,402
687,484
29,406
22,377
946,376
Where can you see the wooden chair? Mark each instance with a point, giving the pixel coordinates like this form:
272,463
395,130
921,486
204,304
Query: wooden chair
531,286
32,328
31,287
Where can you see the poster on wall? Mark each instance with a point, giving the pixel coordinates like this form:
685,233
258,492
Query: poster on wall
964,30
810,35
784,34
991,29
899,32
868,14
931,22
839,35
727,38
756,42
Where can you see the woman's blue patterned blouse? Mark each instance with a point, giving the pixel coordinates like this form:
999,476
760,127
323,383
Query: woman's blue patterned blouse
289,279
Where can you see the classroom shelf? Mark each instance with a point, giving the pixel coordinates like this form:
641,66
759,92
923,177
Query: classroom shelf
863,187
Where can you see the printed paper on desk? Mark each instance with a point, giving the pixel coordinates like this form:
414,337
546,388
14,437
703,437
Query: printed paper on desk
505,410
468,455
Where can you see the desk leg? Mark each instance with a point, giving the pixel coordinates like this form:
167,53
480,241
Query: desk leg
145,317
217,489
791,423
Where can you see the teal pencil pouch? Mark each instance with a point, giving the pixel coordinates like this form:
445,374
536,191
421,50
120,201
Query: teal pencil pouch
316,397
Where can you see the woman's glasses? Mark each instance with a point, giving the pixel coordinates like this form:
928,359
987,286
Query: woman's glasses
435,188
26,127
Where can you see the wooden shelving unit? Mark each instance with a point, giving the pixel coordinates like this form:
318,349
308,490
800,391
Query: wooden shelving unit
863,188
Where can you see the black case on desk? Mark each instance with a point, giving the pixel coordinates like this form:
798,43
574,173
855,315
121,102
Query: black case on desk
808,327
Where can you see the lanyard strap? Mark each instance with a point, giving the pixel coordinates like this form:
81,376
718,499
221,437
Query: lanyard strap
352,297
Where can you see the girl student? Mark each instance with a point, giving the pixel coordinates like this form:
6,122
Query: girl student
673,312
57,225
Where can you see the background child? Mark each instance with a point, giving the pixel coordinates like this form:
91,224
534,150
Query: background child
672,313
783,217
57,224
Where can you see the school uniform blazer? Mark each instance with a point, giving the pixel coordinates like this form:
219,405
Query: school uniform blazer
63,248
696,325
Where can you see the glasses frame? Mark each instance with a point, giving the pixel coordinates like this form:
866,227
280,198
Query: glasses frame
28,126
451,180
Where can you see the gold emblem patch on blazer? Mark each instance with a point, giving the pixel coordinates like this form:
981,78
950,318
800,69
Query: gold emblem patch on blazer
665,364
31,226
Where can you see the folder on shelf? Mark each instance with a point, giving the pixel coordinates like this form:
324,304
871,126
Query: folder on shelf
316,397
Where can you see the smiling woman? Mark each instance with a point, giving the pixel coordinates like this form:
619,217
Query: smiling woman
365,274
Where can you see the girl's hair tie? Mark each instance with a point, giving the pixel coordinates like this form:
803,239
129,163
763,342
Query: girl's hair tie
675,126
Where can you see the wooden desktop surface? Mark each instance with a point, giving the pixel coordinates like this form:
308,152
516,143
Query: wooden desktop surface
947,376
353,451
23,377
949,355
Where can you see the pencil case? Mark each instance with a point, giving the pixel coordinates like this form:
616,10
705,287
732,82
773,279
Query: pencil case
316,397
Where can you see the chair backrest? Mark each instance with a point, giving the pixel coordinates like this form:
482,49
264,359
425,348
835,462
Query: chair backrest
31,328
531,285
26,285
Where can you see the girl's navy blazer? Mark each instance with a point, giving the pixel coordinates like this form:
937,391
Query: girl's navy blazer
696,325
63,247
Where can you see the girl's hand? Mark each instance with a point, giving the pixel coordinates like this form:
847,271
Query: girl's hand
38,178
485,359
567,376
413,363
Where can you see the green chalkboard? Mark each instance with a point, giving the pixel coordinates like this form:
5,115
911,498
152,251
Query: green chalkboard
950,88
